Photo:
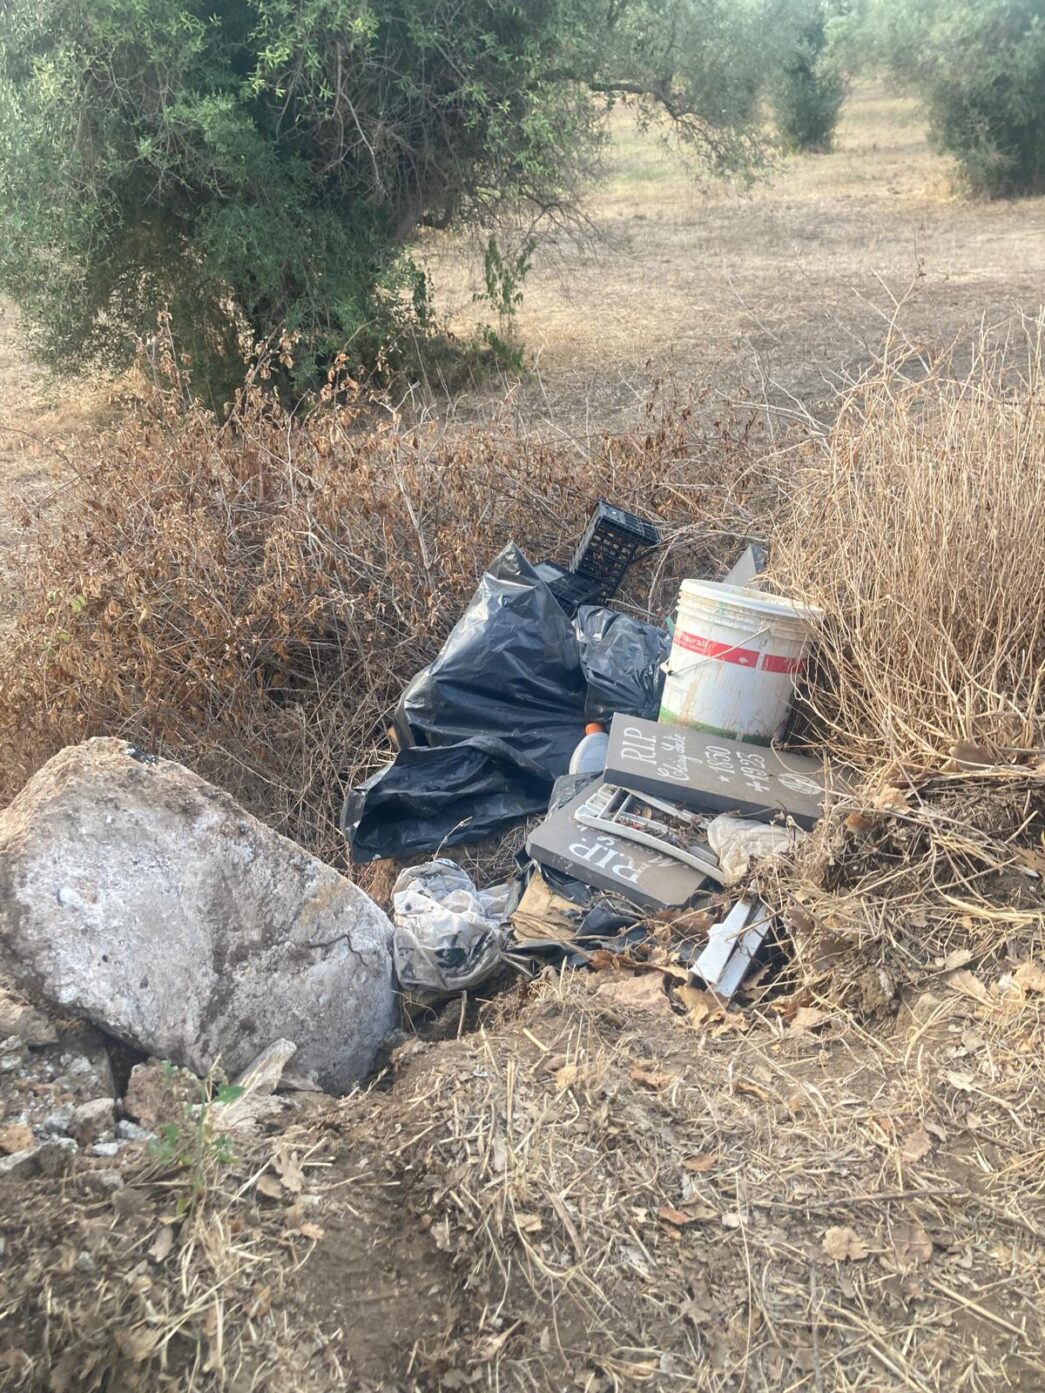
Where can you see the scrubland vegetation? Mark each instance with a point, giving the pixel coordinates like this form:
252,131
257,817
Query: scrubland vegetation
472,288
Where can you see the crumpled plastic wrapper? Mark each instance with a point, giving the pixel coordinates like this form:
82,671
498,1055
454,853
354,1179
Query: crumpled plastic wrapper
449,936
737,842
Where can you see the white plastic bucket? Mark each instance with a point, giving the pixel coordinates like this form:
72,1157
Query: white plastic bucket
734,660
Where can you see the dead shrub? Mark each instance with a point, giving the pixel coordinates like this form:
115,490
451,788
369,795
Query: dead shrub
918,525
250,597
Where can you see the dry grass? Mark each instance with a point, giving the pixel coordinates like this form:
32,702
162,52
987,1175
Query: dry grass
918,525
629,1198
172,1281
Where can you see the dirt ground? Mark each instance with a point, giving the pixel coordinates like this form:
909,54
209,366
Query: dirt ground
589,1192
778,292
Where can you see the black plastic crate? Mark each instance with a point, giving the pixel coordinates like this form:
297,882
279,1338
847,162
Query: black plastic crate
612,541
571,591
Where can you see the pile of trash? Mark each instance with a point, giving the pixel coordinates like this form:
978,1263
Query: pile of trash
654,756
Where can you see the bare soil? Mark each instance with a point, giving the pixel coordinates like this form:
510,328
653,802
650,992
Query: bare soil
777,292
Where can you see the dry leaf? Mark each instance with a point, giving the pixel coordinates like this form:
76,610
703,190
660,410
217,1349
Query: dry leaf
566,1076
968,984
67,1373
701,1162
137,1344
312,1231
643,991
892,800
493,1344
162,1243
957,958
269,1186
911,1244
651,1078
700,1005
1030,977
845,1245
1033,858
15,1137
965,755
285,1163
859,822
529,1223
916,1144
676,1217
756,1090
639,1371
806,1017
959,1079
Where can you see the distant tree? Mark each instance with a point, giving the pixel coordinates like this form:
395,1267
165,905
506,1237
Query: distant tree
257,165
810,87
979,68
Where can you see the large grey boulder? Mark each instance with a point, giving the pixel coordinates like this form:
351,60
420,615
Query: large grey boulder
136,894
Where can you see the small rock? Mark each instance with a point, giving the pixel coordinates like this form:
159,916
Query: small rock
252,1111
50,1158
130,1131
54,1157
105,1182
105,1148
128,1203
16,1137
86,1264
262,1074
92,1120
157,1093
295,1081
37,1031
79,1065
17,1017
59,1121
20,1163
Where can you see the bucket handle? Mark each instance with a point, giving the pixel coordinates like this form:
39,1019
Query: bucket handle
712,657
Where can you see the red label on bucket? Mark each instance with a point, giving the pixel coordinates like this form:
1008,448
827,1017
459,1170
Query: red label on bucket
733,653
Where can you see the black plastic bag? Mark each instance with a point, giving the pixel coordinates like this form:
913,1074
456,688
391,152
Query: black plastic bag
621,658
510,669
432,798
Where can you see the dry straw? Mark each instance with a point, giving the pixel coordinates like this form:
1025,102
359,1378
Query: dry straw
918,524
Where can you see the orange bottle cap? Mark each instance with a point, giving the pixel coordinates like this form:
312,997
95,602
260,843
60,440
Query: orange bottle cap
594,728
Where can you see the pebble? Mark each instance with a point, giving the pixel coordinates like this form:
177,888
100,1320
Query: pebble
58,1121
131,1131
105,1148
105,1181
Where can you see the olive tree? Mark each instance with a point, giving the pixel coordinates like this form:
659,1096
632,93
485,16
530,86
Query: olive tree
260,165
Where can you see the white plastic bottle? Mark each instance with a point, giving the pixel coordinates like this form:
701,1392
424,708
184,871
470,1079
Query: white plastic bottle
589,757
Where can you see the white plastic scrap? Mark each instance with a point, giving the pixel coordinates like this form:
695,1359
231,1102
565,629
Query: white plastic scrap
449,936
732,945
738,841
